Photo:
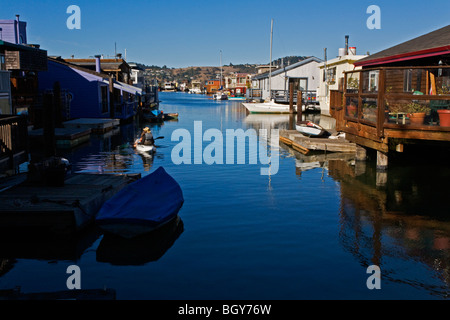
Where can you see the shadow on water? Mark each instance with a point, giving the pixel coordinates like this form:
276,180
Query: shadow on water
140,250
397,216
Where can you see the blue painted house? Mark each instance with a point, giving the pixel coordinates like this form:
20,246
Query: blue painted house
90,90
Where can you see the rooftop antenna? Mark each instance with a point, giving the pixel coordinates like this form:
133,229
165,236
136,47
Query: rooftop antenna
115,50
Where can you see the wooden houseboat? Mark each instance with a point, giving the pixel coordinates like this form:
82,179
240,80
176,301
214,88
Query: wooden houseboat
377,106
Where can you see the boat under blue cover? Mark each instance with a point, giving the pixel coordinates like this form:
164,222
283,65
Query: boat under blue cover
142,206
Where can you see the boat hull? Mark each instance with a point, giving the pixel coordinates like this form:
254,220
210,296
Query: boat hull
142,207
144,148
310,129
267,107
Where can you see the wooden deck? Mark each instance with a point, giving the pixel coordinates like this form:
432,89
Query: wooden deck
58,210
65,137
305,145
96,125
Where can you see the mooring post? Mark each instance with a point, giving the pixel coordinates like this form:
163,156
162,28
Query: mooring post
382,161
49,126
299,106
57,104
361,153
111,98
291,98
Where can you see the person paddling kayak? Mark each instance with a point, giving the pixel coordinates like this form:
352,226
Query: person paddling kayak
146,138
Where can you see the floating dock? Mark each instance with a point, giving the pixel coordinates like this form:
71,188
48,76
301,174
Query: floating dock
65,137
96,125
305,145
59,210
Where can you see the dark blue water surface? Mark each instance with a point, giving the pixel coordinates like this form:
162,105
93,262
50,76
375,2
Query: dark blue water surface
308,232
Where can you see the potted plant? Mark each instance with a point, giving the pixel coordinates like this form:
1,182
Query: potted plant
444,117
416,112
370,111
352,85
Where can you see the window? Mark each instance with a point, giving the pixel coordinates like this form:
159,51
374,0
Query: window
373,81
407,80
331,75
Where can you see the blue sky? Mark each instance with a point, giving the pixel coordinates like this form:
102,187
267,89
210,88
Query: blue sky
192,33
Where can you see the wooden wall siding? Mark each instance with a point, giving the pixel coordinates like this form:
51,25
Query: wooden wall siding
35,60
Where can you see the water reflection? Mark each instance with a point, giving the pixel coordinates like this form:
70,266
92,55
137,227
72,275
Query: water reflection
402,227
38,246
140,250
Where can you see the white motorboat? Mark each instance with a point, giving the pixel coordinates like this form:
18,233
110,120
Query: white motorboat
267,107
220,96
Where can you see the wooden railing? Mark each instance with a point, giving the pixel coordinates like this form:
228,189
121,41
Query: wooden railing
380,103
13,139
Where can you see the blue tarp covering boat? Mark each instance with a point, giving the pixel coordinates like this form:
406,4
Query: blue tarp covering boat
142,206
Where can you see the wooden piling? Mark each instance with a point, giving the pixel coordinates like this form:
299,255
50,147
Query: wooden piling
57,105
49,126
299,106
111,98
291,98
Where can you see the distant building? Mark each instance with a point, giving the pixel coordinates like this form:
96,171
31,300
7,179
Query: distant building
212,86
238,83
304,75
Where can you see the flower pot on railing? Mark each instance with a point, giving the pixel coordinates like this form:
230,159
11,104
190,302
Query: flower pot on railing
351,110
417,118
444,118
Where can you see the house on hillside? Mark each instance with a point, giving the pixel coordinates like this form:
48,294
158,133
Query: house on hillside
304,75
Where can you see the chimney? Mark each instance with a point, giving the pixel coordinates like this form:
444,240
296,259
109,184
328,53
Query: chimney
17,29
97,64
346,44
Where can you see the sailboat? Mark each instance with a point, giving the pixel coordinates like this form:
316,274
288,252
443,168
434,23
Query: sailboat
268,106
220,95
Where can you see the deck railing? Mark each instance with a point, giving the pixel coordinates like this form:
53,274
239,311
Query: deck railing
13,139
390,98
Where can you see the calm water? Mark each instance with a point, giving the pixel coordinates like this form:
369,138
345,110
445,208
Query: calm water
308,232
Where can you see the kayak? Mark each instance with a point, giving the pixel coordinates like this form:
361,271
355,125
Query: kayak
142,206
144,148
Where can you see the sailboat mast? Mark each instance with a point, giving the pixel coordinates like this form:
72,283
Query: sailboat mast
270,66
221,69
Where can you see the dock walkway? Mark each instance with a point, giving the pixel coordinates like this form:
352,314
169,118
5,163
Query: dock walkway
59,210
305,145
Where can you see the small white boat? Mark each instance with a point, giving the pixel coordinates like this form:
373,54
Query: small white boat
267,107
309,128
220,96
